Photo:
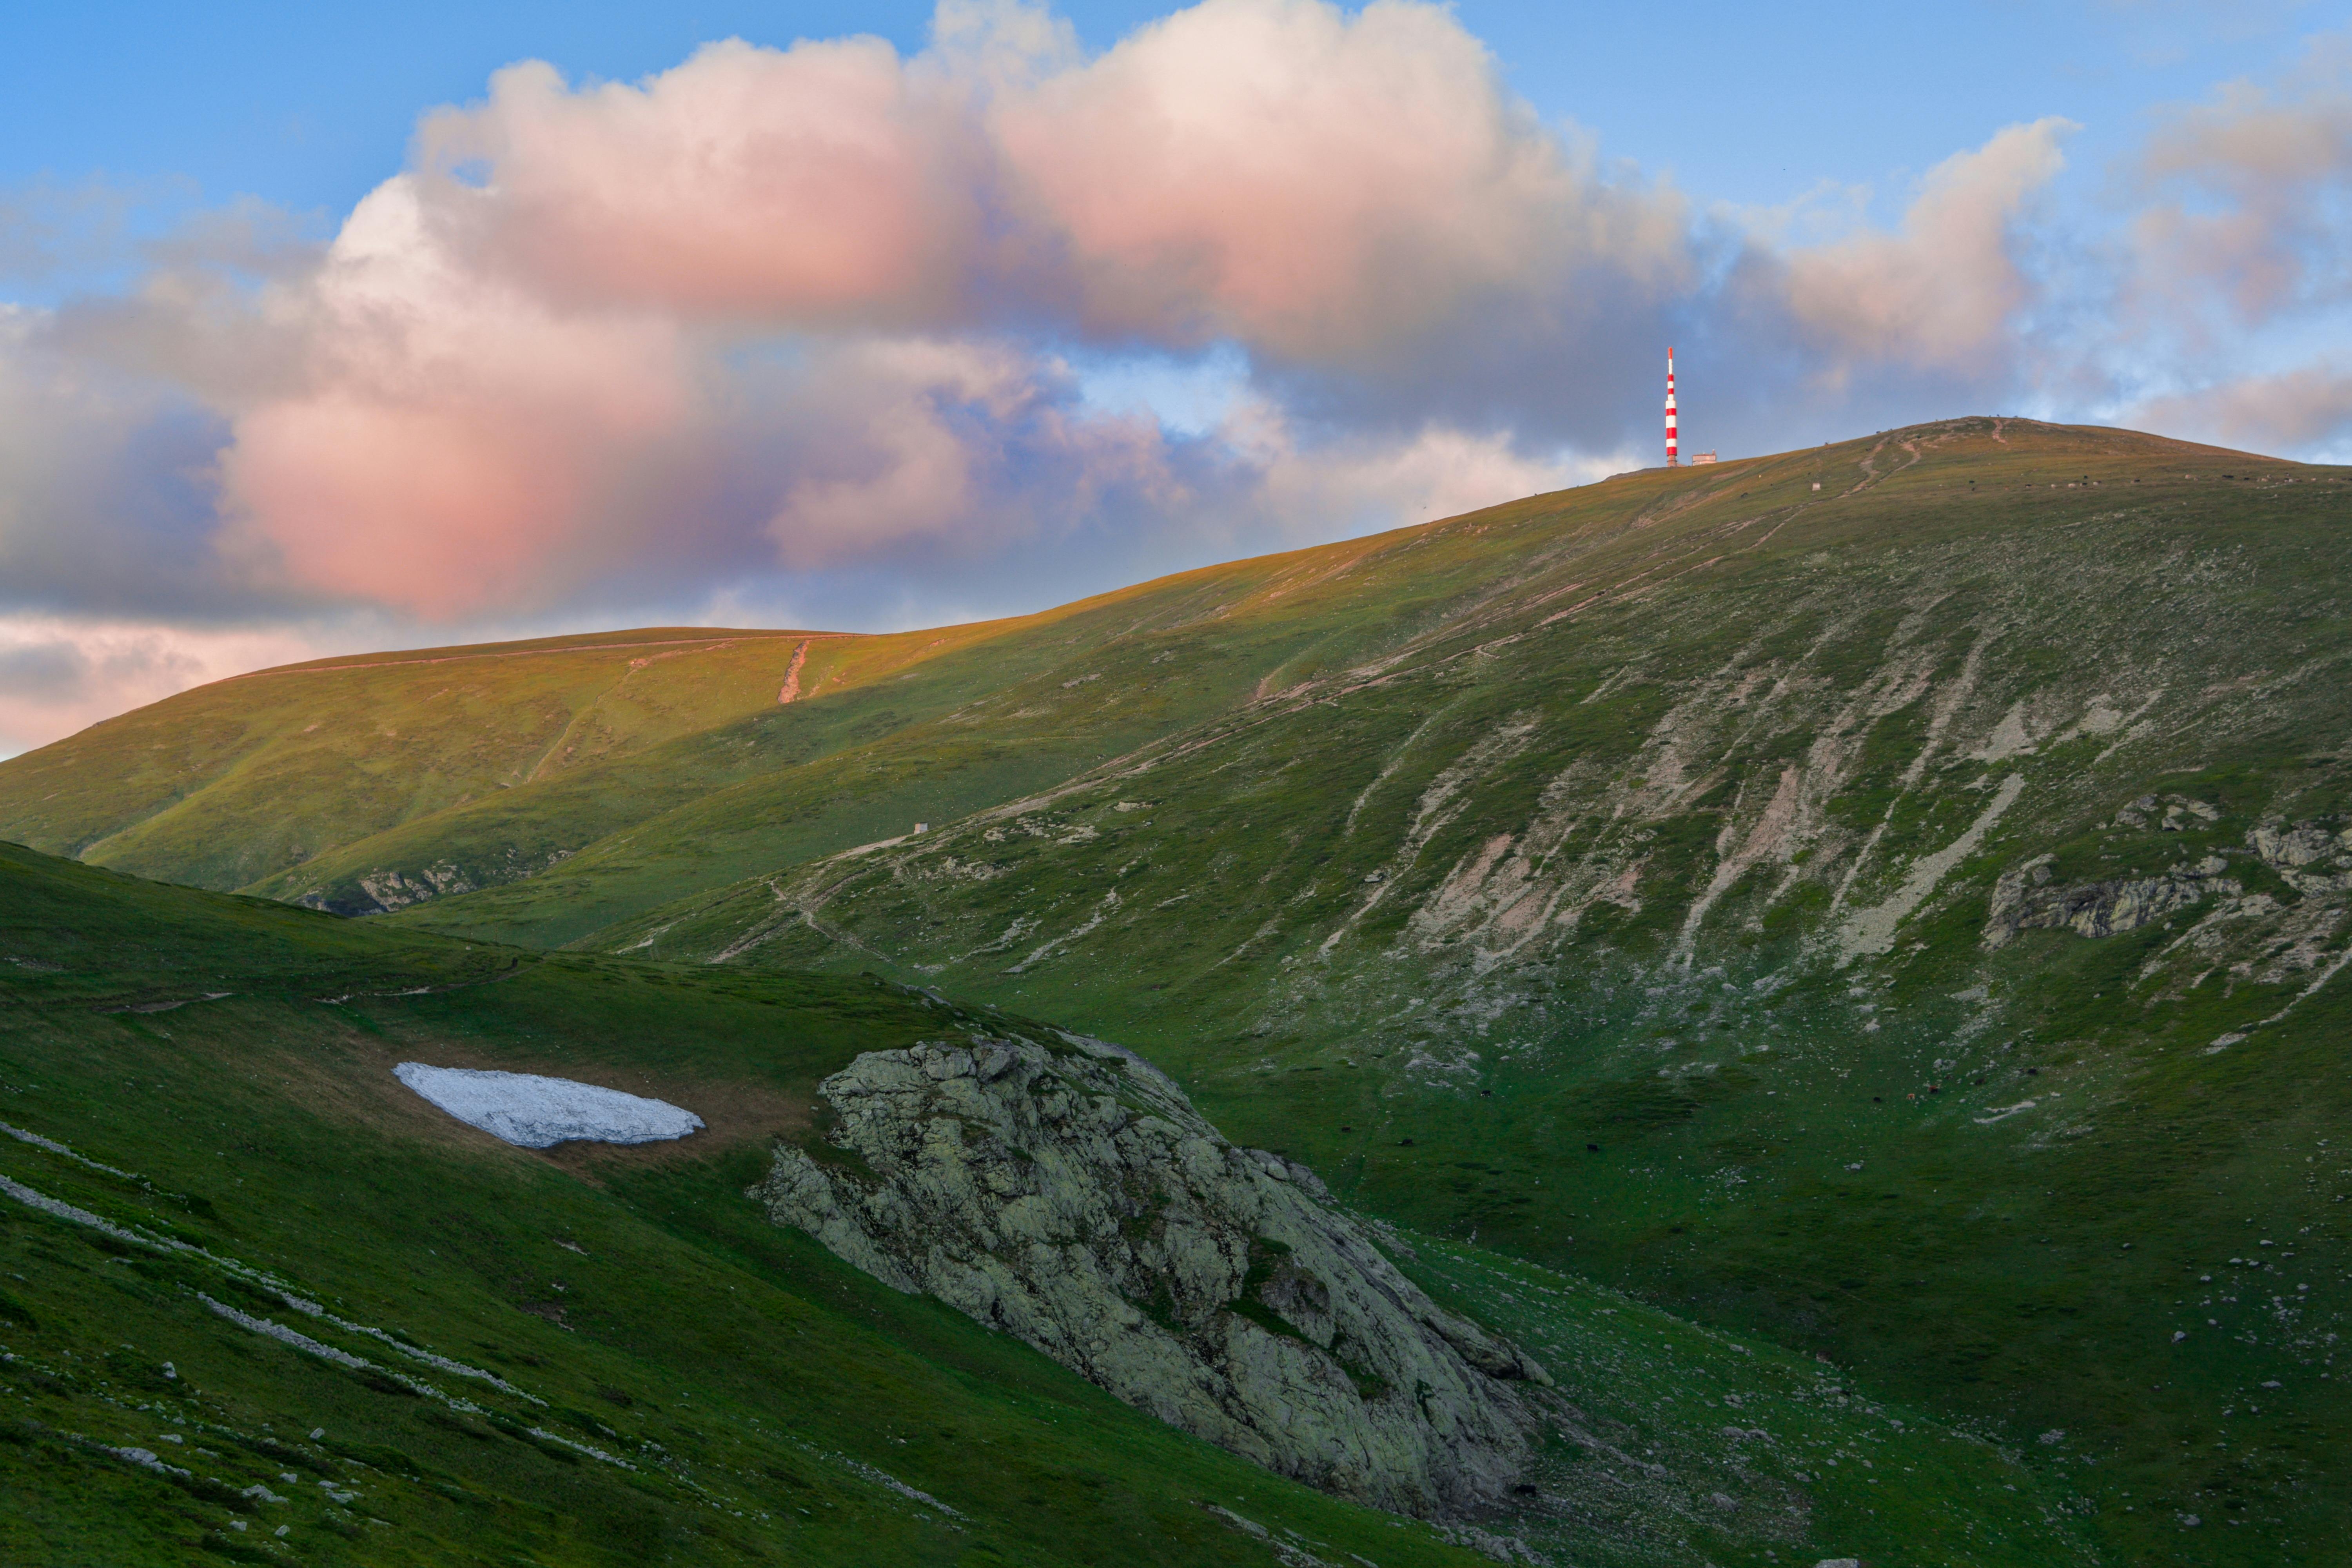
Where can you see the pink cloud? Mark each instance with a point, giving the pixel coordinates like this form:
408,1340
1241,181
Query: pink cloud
2250,130
1307,181
1277,171
507,349
451,438
938,443
1943,291
818,183
2251,209
2287,410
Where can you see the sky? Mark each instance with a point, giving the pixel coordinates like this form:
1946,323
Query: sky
324,329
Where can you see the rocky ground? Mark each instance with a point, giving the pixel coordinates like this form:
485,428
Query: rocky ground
1069,1193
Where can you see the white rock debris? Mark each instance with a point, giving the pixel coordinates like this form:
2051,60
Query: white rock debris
54,1147
285,1335
413,1352
340,1357
889,1482
535,1112
65,1211
545,1435
231,1267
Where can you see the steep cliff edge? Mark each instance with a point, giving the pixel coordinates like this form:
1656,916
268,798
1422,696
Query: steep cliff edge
1069,1193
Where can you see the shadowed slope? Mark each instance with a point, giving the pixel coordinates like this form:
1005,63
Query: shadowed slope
403,1341
1907,918
250,1283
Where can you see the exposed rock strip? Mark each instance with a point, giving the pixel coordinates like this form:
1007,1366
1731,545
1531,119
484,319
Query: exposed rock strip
1872,930
1070,1194
791,689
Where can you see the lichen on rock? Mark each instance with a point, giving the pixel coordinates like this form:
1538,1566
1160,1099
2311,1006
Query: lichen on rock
2023,900
2303,856
1067,1193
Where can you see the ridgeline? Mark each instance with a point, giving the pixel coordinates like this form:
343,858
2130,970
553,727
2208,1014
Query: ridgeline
1876,910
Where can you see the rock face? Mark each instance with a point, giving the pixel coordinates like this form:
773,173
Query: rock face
1069,1193
2305,857
2023,900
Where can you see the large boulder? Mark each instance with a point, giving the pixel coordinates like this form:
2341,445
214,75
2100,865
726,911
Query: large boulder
1069,1193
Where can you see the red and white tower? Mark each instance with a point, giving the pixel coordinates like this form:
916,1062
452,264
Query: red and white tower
1673,446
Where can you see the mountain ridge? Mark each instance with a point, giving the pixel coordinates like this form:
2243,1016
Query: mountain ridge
1902,920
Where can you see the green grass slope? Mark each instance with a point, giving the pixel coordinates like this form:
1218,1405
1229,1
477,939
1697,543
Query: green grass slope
259,1303
1905,918
641,765
1021,710
657,1374
230,782
1888,901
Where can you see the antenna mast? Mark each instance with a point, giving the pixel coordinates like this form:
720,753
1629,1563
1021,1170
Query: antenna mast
1673,448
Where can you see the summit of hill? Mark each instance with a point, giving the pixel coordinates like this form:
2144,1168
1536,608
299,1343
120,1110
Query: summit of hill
373,781
1887,901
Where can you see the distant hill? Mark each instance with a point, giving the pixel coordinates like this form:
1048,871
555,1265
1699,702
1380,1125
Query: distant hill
237,781
1889,899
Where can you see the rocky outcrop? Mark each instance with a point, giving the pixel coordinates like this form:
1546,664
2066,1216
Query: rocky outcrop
2023,900
2297,847
1069,1193
2308,856
391,890
385,888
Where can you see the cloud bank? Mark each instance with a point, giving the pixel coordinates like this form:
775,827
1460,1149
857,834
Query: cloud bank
819,325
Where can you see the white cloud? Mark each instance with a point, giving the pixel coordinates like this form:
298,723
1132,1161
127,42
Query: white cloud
1001,322
1943,291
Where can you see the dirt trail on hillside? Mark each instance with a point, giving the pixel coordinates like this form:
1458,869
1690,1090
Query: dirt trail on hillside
791,689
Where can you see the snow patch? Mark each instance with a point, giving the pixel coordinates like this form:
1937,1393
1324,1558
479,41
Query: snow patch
536,1112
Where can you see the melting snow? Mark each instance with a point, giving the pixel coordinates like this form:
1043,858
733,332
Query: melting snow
534,1113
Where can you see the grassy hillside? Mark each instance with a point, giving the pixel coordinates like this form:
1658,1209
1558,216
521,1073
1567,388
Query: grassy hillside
609,1356
1031,708
232,781
640,765
1905,918
676,1380
1888,901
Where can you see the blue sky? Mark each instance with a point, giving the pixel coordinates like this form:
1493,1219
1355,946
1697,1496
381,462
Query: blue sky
310,107
316,332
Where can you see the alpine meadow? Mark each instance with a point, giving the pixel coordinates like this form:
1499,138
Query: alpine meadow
1075,783
1802,987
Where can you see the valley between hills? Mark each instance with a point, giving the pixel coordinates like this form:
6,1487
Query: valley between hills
1810,987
